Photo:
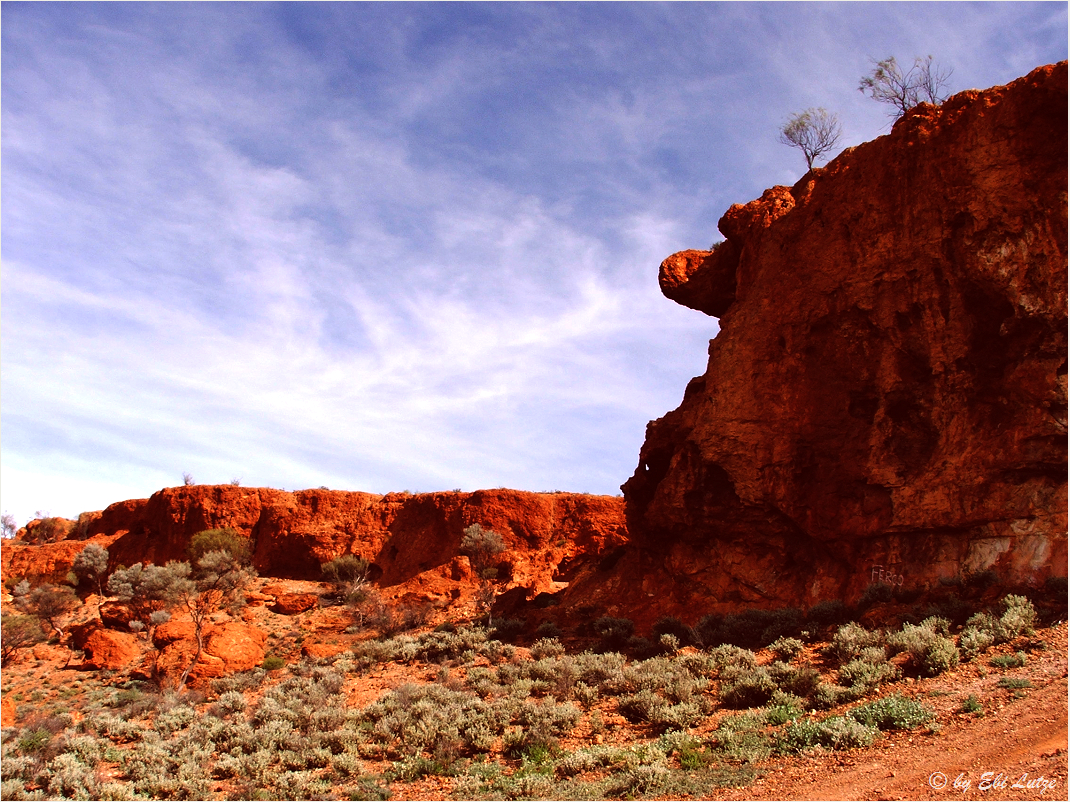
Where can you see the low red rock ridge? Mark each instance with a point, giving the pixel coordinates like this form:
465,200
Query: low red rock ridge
413,541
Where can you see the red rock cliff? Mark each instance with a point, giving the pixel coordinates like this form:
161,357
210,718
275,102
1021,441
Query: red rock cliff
413,540
888,387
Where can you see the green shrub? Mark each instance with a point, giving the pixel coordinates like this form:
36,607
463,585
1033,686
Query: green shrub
971,704
782,708
1014,683
225,539
838,732
877,593
548,629
742,737
547,647
1015,660
942,655
728,656
670,625
895,712
647,707
272,663
827,696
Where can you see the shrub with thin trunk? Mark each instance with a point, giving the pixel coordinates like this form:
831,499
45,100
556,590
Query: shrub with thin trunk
91,564
19,632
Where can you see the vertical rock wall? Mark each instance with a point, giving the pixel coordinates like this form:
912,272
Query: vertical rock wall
887,393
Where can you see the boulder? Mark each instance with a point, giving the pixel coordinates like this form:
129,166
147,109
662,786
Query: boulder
111,650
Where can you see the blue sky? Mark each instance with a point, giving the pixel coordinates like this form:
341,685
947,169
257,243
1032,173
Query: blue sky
395,246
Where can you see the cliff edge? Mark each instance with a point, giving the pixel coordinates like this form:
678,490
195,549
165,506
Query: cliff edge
886,398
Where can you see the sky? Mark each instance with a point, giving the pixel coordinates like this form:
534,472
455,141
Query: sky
396,246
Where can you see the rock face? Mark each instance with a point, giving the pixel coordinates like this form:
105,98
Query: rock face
412,540
886,397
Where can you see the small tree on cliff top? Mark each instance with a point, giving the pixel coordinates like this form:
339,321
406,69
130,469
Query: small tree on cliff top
815,132
924,82
482,546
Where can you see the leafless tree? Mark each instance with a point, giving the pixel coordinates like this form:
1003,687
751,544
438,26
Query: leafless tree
815,132
924,82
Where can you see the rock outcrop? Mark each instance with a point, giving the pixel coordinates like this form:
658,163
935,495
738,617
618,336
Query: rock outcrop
886,397
413,541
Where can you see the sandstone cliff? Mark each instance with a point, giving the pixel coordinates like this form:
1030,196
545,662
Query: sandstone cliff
886,396
412,540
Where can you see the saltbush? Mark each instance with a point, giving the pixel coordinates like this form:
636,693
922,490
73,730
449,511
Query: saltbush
746,687
894,712
849,641
838,732
786,648
930,652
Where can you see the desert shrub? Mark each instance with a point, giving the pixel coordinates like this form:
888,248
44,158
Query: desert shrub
604,672
69,777
827,696
750,628
849,641
670,625
971,704
895,712
782,708
1014,683
421,716
225,539
931,653
870,669
348,575
746,687
48,529
799,681
831,612
1015,660
241,681
838,732
548,629
877,593
613,633
786,648
542,723
91,564
1018,618
649,708
272,662
508,629
742,737
50,604
547,647
18,632
728,656
974,640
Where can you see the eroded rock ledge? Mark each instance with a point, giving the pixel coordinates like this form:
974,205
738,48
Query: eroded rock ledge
888,388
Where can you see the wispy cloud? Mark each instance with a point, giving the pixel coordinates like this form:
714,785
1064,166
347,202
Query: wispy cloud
385,247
